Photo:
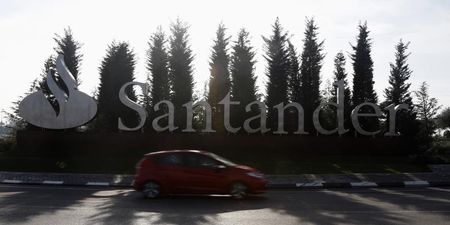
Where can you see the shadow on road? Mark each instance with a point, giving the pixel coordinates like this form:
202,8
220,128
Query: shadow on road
113,206
315,207
21,204
173,209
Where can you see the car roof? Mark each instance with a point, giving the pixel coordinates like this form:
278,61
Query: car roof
176,151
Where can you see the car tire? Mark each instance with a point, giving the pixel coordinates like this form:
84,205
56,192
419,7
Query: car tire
151,190
238,190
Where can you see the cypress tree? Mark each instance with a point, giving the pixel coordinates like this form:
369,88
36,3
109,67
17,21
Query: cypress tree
180,71
311,63
117,68
243,88
157,65
219,80
398,91
363,90
277,71
50,66
341,74
294,83
69,47
426,108
293,74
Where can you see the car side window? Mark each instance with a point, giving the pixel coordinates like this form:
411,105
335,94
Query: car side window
169,159
190,160
205,161
198,160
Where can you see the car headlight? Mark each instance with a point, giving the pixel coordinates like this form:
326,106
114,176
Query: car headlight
255,175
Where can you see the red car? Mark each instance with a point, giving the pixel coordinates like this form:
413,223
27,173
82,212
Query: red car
195,172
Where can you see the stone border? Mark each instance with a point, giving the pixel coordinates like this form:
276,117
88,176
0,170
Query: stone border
313,185
355,185
274,181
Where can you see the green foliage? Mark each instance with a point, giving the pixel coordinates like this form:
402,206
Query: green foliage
363,90
117,68
50,67
328,116
291,77
7,145
294,87
435,154
277,71
15,121
69,47
242,68
310,67
294,81
219,80
426,108
441,146
443,119
398,92
340,74
447,134
158,66
180,67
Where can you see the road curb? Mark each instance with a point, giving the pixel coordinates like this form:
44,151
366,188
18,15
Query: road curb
274,181
311,185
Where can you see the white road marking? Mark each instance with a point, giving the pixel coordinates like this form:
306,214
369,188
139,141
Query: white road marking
416,183
52,182
310,184
363,184
74,188
97,183
12,181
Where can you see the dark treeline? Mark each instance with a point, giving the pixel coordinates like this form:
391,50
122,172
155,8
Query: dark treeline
293,72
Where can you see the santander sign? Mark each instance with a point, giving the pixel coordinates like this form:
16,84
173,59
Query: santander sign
77,108
281,109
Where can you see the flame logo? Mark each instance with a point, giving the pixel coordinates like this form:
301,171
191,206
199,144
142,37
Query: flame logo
75,107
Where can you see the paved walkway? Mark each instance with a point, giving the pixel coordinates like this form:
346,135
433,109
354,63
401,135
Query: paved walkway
439,177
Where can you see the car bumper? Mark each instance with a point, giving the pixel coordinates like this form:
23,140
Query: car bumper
258,187
138,186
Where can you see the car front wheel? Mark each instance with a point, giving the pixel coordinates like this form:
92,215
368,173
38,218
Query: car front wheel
238,190
151,190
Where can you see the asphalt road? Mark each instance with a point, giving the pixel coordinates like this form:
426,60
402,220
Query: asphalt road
80,205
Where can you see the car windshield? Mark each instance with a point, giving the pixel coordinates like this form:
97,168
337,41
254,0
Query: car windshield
222,160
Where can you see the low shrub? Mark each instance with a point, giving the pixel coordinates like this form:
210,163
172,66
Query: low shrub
7,145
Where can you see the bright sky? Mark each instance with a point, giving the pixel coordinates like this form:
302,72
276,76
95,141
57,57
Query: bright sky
27,29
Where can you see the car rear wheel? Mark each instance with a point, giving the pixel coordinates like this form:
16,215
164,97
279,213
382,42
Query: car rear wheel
238,190
151,190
